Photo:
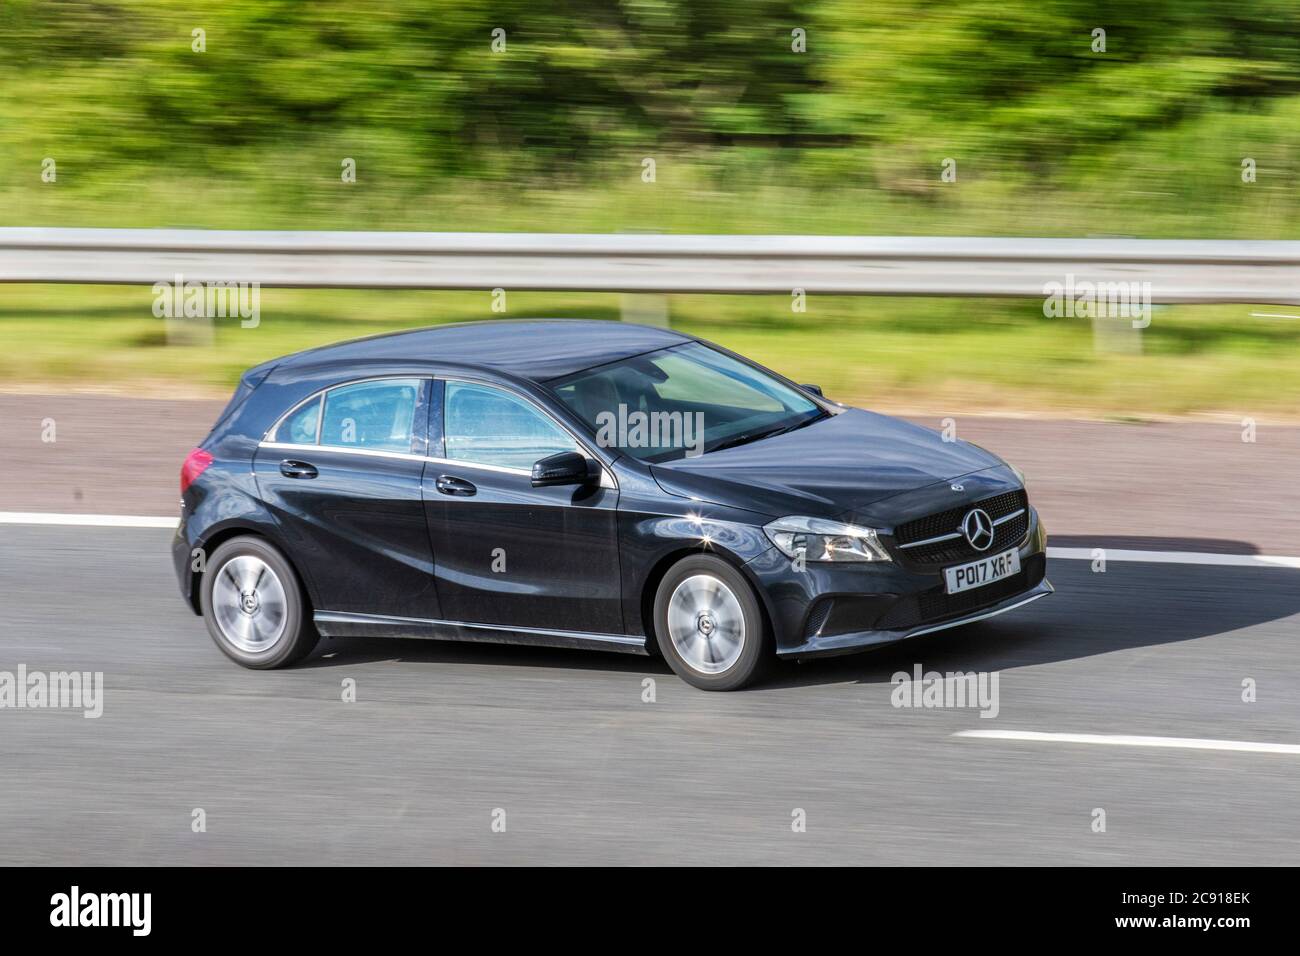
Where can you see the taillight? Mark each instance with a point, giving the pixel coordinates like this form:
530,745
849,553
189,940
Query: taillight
195,464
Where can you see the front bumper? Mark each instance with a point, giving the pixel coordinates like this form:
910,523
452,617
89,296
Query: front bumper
849,642
828,609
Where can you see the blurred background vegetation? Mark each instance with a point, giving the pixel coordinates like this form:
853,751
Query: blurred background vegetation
1050,137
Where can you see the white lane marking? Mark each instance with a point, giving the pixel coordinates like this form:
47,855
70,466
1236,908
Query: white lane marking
1126,740
87,521
1180,557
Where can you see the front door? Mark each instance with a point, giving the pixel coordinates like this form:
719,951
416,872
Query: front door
506,553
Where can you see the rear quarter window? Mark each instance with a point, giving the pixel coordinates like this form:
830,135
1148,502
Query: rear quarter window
300,427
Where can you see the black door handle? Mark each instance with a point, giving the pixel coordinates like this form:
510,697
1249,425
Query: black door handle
448,485
297,469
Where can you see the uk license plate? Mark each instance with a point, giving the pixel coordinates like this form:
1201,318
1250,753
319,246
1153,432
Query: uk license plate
976,574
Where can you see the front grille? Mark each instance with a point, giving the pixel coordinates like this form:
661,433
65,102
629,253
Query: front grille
935,605
1006,535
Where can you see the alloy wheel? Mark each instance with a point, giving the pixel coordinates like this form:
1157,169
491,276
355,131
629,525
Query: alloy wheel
706,624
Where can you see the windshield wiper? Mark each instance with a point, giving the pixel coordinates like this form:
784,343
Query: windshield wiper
746,437
807,421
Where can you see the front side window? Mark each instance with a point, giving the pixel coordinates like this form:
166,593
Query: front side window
488,426
377,415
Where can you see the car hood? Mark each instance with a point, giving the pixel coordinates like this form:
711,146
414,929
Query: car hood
839,464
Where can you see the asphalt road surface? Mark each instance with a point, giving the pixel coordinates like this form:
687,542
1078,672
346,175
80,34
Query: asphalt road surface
443,735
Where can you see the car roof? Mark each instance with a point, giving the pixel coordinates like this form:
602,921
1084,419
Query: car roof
536,349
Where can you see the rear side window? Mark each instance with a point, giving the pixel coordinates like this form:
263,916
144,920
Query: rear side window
375,415
487,426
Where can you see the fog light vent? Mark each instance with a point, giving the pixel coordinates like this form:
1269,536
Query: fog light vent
817,617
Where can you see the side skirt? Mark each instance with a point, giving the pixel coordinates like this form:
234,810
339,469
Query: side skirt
349,624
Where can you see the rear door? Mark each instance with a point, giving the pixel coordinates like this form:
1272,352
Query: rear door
342,474
506,553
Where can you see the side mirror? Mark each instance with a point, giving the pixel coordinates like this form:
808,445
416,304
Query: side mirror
815,389
565,468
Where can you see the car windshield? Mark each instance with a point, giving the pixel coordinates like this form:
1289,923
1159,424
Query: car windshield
682,401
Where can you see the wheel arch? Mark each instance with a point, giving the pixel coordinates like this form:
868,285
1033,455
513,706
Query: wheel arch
666,561
225,533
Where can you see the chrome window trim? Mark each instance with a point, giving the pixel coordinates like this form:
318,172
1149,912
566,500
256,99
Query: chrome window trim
343,450
500,469
270,439
606,478
272,435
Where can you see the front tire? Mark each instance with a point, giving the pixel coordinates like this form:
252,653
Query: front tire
708,624
254,607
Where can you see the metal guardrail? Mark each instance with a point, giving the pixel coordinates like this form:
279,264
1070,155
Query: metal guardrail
1193,270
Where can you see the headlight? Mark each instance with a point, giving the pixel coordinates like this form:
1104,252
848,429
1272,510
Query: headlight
822,540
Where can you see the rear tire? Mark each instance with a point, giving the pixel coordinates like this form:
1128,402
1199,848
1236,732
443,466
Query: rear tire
708,624
254,605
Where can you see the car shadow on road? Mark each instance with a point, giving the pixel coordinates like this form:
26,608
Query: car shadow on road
361,650
1133,542
1129,605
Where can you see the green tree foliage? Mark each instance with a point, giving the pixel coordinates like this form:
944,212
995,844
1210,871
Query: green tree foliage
564,81
1030,82
885,90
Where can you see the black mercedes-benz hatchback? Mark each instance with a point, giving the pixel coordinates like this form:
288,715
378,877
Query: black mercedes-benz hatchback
586,484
